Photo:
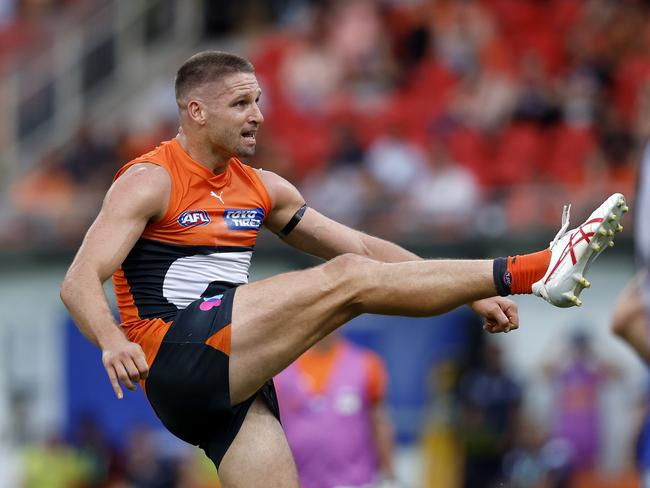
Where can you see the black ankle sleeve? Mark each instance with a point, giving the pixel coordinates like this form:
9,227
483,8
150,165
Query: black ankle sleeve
502,277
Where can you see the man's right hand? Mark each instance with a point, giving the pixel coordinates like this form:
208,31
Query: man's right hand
124,362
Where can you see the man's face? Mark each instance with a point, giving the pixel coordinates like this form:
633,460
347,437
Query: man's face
232,116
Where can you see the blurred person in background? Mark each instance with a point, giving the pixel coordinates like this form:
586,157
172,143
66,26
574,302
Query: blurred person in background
441,444
446,198
535,461
331,400
343,189
490,400
54,464
106,465
631,317
177,231
146,466
577,375
395,163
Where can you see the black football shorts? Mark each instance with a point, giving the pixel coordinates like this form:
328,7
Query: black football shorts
188,383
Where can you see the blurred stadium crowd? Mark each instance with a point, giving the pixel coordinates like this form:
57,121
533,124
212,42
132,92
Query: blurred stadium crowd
472,118
419,121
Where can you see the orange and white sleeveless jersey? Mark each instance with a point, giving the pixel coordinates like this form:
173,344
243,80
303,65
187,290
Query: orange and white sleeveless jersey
202,246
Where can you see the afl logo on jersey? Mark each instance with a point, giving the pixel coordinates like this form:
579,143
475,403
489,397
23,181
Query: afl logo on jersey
243,218
194,218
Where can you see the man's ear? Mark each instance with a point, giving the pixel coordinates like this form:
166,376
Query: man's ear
196,111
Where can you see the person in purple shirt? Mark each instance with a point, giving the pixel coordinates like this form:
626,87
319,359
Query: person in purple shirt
577,379
331,403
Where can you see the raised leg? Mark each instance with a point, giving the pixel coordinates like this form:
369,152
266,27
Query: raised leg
275,320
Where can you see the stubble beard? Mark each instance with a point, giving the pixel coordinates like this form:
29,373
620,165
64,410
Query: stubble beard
245,152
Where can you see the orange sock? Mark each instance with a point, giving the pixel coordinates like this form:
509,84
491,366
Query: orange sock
527,269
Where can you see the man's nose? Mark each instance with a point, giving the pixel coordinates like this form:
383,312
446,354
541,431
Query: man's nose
256,115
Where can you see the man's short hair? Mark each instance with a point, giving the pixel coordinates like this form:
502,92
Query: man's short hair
208,66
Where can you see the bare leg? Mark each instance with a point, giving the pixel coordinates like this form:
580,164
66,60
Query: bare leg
275,320
260,438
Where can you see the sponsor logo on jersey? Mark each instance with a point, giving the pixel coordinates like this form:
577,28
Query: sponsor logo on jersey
218,197
194,218
243,218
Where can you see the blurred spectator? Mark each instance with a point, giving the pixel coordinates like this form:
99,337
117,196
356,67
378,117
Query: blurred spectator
347,149
395,163
462,31
88,160
45,191
441,449
577,375
445,199
642,123
579,98
536,101
53,464
536,462
490,401
358,37
146,467
311,72
104,461
341,193
331,408
484,99
617,147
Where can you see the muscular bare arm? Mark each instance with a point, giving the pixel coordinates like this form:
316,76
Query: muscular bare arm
325,238
319,235
138,196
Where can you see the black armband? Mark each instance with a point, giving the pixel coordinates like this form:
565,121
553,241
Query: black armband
297,217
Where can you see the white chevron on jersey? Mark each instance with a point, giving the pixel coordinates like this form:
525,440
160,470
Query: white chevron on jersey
188,277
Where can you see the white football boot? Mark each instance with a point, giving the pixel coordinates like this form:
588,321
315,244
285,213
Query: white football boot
573,252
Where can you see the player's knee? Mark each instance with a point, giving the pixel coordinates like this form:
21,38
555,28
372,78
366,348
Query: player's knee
350,266
351,274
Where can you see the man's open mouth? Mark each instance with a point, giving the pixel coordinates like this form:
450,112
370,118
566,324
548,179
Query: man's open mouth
249,136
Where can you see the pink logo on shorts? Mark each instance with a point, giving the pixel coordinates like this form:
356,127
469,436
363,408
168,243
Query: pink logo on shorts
210,303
